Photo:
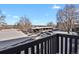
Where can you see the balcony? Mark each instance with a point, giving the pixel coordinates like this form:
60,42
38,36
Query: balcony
54,44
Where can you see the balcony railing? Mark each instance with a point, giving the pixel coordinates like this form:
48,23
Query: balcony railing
55,44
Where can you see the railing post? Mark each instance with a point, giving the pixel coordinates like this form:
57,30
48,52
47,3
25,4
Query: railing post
48,46
70,46
76,46
66,45
32,50
51,45
42,48
57,41
26,51
37,49
45,47
61,45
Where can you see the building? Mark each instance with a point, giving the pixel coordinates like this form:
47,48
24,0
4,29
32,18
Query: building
39,28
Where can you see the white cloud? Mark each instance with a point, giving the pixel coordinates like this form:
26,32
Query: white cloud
15,16
56,7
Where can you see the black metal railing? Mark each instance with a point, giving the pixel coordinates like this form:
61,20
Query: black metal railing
55,44
68,44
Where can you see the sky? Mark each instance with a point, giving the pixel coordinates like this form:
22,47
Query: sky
38,14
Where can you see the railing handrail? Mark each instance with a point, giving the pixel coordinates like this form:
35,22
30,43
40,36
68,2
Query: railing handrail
24,43
10,46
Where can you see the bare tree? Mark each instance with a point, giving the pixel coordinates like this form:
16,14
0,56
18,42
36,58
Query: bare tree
50,24
24,24
66,17
2,20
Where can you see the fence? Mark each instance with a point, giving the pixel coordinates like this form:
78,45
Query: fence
55,44
68,44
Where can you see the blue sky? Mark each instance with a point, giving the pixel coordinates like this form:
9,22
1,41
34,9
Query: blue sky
38,14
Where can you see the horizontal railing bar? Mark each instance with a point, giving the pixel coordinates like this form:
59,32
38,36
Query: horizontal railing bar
34,42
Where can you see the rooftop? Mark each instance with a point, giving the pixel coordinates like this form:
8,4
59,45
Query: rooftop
8,34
